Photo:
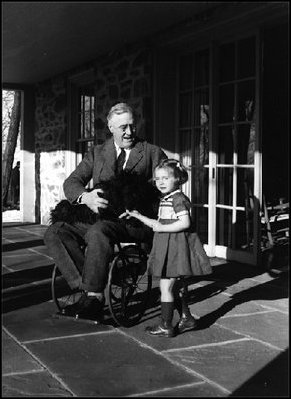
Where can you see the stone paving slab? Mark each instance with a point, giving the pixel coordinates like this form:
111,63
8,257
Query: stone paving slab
40,384
263,327
282,305
16,358
242,285
229,364
26,261
255,290
17,252
196,390
35,229
37,323
211,335
42,249
32,275
223,306
17,235
108,365
5,240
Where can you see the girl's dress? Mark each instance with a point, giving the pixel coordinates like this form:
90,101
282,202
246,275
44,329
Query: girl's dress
177,254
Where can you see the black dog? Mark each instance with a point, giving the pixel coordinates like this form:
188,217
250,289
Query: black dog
127,191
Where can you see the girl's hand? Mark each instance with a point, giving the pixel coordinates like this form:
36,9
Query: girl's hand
157,226
128,214
133,213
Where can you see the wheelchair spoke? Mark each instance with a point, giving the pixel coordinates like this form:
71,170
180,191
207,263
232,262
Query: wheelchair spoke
128,286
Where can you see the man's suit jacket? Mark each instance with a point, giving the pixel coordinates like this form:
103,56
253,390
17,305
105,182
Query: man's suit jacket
99,164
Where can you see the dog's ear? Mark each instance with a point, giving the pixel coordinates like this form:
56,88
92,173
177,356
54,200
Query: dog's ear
62,212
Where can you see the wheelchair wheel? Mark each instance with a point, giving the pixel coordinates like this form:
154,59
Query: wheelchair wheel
128,286
62,294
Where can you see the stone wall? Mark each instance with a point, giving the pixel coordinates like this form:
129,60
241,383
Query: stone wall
125,76
122,76
50,144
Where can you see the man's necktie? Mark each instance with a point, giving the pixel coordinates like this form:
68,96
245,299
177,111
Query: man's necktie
120,161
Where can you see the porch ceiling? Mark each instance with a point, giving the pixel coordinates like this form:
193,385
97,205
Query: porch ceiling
43,39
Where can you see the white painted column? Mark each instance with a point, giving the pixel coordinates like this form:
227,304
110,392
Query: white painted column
27,186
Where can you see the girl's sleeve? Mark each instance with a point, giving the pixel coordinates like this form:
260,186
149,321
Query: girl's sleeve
181,205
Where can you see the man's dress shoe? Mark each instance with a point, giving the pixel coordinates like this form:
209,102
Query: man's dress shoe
88,307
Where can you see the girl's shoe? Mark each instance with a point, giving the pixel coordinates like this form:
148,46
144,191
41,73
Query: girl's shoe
186,323
161,330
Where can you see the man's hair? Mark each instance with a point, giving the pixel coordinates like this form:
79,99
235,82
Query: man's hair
118,109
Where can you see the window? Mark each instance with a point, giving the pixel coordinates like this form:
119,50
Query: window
86,117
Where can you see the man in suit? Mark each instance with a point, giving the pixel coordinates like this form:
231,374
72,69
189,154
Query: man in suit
123,151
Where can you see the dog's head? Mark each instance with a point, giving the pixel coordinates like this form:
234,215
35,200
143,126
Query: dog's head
130,191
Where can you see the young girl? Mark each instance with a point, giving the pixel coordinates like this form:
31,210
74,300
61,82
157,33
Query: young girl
177,250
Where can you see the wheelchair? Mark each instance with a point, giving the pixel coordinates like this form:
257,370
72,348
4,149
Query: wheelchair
128,288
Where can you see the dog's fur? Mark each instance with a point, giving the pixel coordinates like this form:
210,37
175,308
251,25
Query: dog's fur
127,191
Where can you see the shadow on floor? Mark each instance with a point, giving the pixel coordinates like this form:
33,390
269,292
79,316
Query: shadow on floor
271,381
25,297
21,277
21,245
264,291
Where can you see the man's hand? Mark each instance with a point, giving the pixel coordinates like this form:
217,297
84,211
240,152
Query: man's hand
93,201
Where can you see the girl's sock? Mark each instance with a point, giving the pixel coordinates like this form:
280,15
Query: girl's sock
184,301
167,310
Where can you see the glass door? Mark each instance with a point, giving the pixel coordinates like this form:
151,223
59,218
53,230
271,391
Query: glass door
193,138
235,148
218,142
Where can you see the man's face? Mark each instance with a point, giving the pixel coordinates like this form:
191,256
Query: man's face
123,129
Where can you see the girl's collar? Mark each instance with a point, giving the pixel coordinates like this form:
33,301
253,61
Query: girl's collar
171,193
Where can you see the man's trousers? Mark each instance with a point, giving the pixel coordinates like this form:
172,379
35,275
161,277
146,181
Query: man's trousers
88,269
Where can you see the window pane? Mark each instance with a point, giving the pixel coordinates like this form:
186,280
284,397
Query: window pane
185,110
223,227
87,127
226,103
246,144
85,146
225,145
246,64
200,185
201,147
244,231
185,141
186,68
224,181
86,116
246,100
200,222
201,107
201,74
185,144
226,62
245,187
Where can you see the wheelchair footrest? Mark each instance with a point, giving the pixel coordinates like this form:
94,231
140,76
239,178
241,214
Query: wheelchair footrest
60,315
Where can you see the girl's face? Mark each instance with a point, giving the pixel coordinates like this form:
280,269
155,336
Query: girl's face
165,181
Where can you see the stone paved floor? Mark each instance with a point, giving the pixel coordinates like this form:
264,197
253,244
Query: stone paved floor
240,347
